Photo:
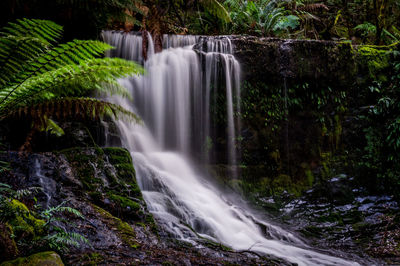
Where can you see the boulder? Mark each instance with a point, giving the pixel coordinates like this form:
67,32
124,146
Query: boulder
48,258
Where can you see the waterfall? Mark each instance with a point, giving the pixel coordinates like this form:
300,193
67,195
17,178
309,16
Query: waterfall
218,54
47,184
174,99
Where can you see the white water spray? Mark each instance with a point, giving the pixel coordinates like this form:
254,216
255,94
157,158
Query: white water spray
174,104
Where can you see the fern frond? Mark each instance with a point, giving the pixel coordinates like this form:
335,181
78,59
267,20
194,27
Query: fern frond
50,126
314,7
4,166
69,80
70,53
62,240
5,188
48,214
216,9
65,109
15,53
21,193
70,210
61,208
44,30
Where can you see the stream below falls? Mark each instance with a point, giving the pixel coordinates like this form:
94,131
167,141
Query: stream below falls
175,99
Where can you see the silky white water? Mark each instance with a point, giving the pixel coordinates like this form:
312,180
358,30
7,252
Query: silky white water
173,99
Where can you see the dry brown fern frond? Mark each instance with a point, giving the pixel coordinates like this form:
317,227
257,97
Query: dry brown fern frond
70,108
315,7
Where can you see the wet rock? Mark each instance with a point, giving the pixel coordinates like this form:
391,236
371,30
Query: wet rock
77,134
101,185
48,258
362,224
328,62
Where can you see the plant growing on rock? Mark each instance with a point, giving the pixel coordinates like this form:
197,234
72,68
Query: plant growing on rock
24,226
263,18
41,79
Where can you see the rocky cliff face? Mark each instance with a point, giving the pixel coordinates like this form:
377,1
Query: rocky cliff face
101,184
329,63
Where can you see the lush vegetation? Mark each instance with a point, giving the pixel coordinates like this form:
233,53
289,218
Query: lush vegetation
42,83
48,78
41,80
36,225
371,21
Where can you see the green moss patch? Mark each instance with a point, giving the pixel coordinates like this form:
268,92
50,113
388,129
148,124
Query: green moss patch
108,174
376,59
124,202
24,224
93,258
49,258
123,229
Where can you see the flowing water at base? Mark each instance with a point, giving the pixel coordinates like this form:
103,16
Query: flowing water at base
181,199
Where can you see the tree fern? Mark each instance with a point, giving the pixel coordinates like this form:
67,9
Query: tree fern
71,79
35,71
21,42
44,30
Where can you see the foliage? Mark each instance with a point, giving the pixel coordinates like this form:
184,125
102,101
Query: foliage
22,219
4,166
46,79
58,238
372,21
259,17
380,155
6,191
217,9
82,18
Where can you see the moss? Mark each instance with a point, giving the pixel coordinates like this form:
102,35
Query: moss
123,229
122,161
82,162
92,259
309,177
124,202
376,59
96,196
43,258
24,224
152,224
118,155
117,182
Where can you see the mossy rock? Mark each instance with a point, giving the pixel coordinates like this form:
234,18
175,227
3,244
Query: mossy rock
93,258
48,258
118,155
123,229
83,162
124,202
23,223
122,161
375,59
109,179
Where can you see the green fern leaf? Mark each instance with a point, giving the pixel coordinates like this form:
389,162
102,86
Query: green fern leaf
218,10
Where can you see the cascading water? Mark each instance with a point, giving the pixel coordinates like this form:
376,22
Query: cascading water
174,99
45,183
